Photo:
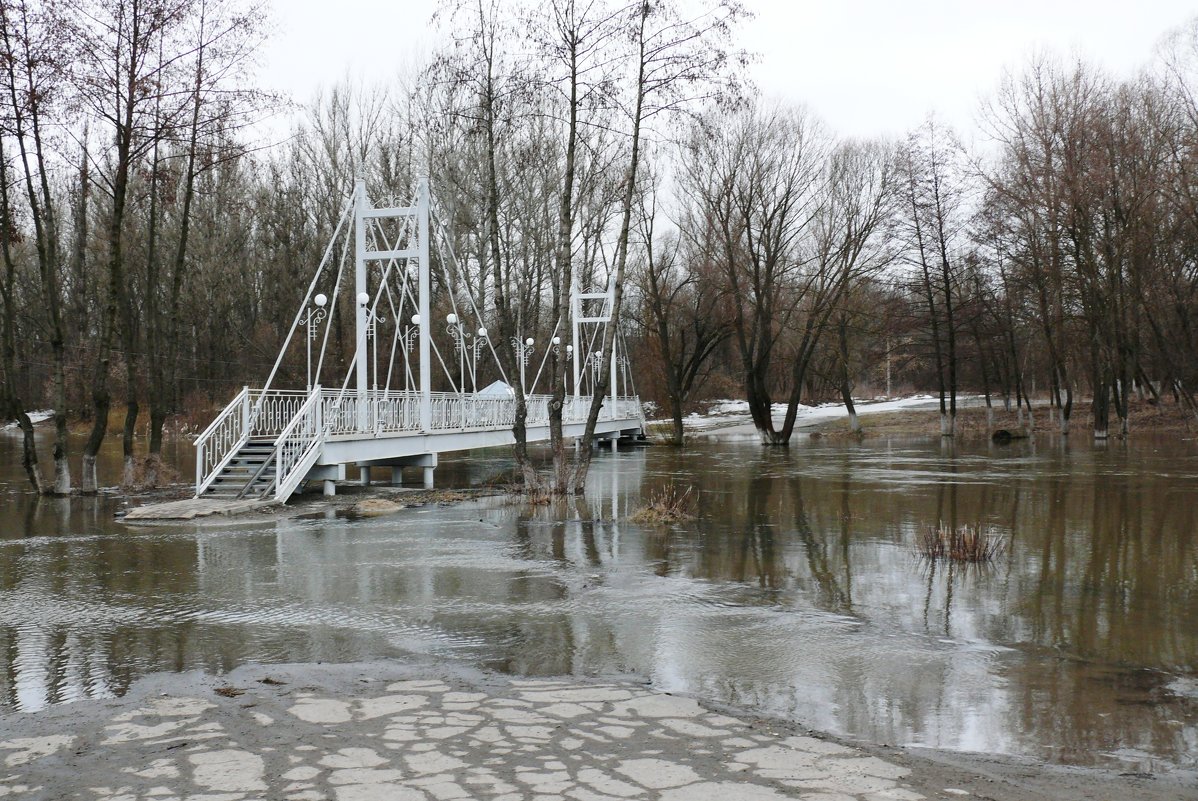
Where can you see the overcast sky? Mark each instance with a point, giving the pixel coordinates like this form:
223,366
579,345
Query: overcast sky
868,67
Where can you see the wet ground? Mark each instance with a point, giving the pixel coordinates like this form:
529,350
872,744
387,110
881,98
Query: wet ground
797,592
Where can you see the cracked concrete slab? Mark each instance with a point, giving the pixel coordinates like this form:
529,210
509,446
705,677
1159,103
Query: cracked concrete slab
314,734
395,732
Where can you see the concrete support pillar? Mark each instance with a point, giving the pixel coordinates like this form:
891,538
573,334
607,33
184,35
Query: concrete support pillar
615,444
428,477
364,476
396,476
329,488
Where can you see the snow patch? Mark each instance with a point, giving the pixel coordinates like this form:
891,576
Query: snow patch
38,416
725,413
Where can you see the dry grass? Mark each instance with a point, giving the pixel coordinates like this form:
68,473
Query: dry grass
153,473
660,430
668,506
539,495
1166,417
960,544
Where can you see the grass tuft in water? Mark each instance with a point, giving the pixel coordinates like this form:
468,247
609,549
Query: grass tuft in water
670,505
961,544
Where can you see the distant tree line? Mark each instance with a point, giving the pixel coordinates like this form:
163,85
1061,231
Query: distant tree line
155,251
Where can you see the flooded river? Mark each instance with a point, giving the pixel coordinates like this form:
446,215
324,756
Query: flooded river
797,592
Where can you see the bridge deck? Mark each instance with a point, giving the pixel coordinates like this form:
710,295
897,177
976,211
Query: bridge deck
275,440
377,449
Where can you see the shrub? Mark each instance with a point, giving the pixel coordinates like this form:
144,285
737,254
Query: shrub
961,544
670,505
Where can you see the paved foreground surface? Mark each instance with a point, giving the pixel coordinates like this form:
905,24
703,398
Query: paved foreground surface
399,732
386,732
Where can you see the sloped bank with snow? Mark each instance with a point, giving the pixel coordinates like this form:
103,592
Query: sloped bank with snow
729,420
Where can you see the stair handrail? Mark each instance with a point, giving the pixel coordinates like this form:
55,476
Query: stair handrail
307,429
229,431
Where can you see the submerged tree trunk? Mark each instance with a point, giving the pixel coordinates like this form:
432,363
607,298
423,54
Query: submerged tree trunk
11,405
1101,410
846,394
846,384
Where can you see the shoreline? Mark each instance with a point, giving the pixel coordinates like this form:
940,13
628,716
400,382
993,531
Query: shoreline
919,417
410,731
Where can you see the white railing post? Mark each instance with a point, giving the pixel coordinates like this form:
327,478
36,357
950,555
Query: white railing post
319,411
245,411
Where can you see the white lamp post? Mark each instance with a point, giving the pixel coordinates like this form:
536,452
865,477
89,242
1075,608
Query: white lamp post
457,332
409,336
596,369
409,341
312,319
523,352
480,339
565,375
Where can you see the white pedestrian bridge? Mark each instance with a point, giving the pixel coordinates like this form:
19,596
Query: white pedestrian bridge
268,442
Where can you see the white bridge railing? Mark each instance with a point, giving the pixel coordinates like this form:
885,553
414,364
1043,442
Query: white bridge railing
223,438
299,421
380,413
298,447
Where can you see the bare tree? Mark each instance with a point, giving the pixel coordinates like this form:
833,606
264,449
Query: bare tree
11,404
127,52
754,180
934,185
221,38
1040,122
31,61
846,248
684,312
677,59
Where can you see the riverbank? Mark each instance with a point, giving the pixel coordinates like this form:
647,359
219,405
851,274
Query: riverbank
919,416
423,732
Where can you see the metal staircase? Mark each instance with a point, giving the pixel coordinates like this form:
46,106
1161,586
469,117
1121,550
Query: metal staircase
250,473
263,444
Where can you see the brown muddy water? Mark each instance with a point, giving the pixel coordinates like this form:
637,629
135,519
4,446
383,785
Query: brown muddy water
797,592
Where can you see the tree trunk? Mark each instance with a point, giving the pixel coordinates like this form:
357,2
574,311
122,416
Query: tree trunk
508,353
563,284
846,395
583,463
26,120
1101,409
846,385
